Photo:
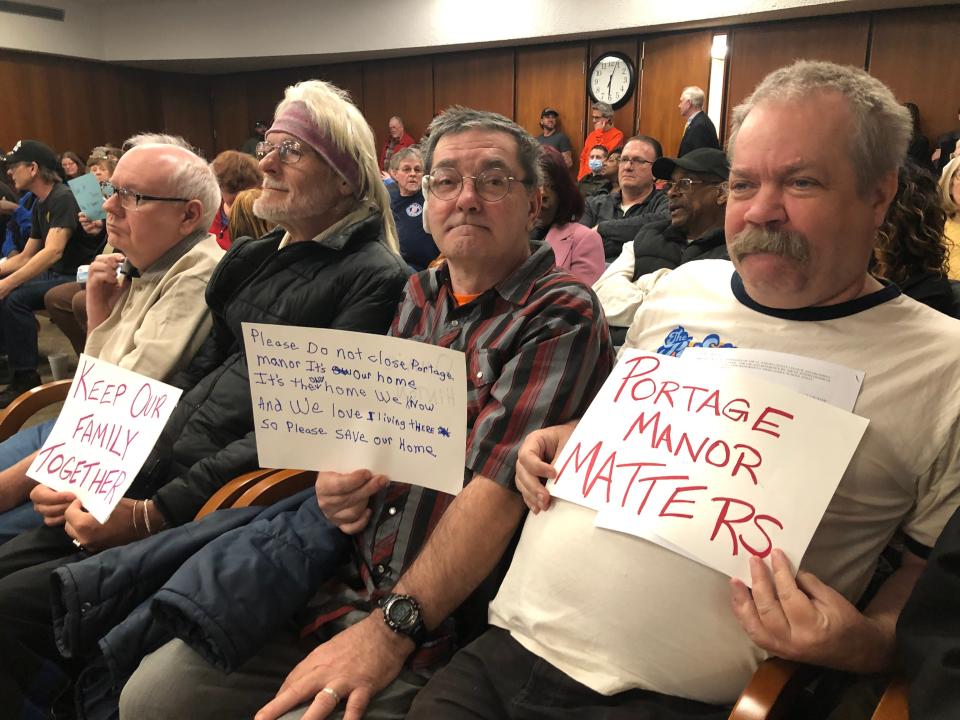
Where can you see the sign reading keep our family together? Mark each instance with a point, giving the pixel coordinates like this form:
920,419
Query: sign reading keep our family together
338,400
109,423
712,463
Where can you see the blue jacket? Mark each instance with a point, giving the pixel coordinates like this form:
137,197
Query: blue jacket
170,585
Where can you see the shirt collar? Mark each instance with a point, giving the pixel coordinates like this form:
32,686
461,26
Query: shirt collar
166,261
333,237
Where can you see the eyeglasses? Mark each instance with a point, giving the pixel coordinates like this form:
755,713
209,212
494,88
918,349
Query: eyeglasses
492,185
290,151
596,118
130,199
684,184
634,161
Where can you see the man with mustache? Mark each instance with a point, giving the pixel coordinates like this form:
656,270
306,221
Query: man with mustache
603,624
696,197
619,215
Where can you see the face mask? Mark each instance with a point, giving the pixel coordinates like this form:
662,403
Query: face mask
595,165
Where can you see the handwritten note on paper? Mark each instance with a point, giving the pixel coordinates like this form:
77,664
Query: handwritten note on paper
338,400
108,425
86,191
713,462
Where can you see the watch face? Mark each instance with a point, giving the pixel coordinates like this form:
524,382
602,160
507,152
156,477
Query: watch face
403,613
611,79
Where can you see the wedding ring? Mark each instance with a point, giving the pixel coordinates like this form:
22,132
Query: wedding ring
332,693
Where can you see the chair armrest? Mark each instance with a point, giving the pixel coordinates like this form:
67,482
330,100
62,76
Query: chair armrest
227,495
893,704
771,691
279,485
33,400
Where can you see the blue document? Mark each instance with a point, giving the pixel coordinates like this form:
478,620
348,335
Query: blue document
86,189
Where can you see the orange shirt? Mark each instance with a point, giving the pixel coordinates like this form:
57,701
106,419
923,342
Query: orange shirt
610,139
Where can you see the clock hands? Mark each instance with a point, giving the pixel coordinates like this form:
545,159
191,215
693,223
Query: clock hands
610,83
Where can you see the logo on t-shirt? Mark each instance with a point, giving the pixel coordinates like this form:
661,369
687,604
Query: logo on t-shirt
414,209
678,340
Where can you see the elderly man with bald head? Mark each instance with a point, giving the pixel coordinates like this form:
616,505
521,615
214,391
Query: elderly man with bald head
152,321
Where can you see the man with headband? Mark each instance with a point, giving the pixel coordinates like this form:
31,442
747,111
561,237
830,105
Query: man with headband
332,263
536,350
604,624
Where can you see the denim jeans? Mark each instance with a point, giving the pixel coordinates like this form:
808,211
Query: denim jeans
18,327
13,450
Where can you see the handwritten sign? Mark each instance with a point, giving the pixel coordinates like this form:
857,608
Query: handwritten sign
86,190
108,425
338,400
709,462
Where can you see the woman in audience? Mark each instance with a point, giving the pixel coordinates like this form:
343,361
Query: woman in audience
911,250
243,223
235,171
950,199
578,249
72,165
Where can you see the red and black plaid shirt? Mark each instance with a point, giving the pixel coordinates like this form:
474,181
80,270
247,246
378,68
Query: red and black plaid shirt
537,351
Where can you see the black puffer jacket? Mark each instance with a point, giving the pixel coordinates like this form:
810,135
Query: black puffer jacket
660,245
350,281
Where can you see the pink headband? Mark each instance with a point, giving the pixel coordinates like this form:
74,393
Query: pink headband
295,120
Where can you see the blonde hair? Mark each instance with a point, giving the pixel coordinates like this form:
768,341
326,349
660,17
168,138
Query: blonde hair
336,117
950,205
243,222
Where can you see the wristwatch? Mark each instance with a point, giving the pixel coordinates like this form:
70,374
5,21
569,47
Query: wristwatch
403,615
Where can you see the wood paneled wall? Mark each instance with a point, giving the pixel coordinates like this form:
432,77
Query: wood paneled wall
671,63
917,54
76,104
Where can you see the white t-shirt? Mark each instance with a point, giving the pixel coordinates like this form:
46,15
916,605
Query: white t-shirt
616,612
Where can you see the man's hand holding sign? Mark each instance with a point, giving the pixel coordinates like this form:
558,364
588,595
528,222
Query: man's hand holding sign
715,465
110,421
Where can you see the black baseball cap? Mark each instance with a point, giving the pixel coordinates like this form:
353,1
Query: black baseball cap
549,111
33,151
709,161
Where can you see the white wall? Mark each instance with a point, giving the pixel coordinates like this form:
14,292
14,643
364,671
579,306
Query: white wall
157,31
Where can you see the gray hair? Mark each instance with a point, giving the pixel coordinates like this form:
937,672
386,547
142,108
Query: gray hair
946,180
337,118
605,109
458,119
881,127
404,153
695,95
191,177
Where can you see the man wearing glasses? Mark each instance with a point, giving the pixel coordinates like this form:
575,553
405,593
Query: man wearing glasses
536,350
604,133
618,216
332,263
145,301
57,245
696,197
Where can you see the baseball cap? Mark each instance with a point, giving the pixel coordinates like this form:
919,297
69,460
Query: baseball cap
709,161
549,111
33,151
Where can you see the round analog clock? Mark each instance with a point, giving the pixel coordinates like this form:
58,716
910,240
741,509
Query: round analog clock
611,79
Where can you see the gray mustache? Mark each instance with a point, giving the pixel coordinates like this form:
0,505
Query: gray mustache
790,244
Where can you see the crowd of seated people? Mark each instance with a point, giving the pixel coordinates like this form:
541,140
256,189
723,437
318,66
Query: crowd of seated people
371,596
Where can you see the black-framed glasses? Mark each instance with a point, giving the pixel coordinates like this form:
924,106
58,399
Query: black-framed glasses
684,184
130,199
289,151
492,185
635,161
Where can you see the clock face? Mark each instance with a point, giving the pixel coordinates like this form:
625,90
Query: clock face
612,79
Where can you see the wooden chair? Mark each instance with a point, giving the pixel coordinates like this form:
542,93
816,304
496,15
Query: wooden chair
29,403
227,495
774,688
276,486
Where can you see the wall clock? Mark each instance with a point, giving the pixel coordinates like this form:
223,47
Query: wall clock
612,79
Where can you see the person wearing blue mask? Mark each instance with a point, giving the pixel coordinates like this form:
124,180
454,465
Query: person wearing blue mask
596,182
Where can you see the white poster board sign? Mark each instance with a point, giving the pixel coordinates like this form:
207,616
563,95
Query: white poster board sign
710,462
338,400
109,423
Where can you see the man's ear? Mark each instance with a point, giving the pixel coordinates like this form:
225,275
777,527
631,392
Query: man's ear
722,190
344,188
192,214
536,202
424,188
881,195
